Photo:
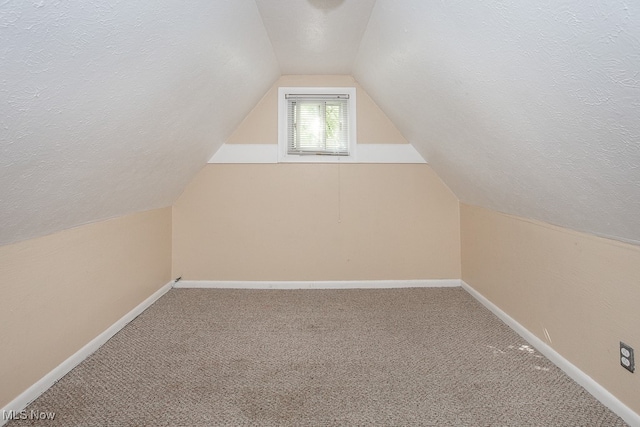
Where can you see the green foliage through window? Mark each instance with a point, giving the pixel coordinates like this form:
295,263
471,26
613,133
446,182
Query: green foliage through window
318,127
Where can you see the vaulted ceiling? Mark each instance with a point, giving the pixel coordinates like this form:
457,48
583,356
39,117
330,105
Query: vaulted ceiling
315,36
529,108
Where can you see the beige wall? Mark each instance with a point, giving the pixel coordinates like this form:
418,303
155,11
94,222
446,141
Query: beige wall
261,124
61,291
584,290
316,222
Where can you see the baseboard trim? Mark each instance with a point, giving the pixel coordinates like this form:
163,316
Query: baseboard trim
33,392
599,392
347,284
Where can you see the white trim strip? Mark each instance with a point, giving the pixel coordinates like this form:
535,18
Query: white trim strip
246,153
366,153
350,284
599,392
388,153
33,392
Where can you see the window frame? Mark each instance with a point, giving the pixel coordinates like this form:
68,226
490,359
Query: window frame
284,156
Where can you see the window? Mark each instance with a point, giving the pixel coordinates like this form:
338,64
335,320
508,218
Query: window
316,124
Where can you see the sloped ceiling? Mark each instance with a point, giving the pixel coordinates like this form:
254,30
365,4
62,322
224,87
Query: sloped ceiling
530,107
111,107
315,36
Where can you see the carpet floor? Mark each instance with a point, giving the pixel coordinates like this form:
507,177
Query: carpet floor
392,357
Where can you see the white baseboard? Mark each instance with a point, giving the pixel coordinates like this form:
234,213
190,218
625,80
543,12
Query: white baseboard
347,284
599,392
33,392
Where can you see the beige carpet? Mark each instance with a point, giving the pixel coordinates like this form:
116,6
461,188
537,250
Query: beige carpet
431,357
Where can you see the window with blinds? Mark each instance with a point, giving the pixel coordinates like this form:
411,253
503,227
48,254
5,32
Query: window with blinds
316,124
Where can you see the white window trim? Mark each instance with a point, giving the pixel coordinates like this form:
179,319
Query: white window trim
284,157
268,153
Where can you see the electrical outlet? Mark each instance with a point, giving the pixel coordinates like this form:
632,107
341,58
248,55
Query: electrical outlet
626,357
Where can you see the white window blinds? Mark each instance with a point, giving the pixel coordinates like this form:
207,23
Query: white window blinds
318,124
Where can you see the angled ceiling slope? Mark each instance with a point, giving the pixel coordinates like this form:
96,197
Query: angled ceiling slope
315,36
528,108
109,108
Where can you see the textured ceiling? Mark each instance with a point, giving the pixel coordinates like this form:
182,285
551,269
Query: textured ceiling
530,108
108,108
315,36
